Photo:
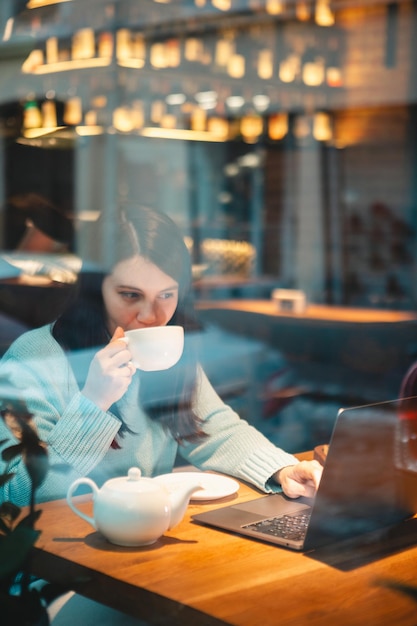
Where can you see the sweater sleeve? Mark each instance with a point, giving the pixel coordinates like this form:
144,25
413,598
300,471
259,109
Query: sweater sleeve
232,446
77,433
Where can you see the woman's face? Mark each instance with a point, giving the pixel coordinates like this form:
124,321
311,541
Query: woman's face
138,294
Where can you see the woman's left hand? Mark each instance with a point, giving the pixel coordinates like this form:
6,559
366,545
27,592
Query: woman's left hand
301,479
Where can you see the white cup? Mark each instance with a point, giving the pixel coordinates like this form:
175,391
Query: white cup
155,348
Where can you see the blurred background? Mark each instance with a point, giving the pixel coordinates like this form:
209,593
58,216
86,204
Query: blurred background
280,135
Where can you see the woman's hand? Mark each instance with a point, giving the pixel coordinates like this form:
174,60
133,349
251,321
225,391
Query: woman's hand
110,372
302,479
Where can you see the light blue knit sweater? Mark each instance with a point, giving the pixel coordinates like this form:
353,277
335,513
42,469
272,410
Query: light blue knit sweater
79,434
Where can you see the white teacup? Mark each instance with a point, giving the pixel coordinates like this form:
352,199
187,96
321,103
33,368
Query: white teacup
155,348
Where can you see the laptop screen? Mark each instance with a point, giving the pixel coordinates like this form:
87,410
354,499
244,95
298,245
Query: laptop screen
370,477
369,483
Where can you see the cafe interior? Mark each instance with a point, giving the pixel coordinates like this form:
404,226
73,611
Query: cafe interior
281,138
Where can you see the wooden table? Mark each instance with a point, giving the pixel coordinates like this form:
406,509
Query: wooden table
197,576
360,355
320,312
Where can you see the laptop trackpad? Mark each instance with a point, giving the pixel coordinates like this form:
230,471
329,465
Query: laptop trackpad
274,505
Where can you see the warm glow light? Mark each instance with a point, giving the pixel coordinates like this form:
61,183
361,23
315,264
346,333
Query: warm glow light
289,68
52,54
251,126
302,126
274,7
313,72
105,45
185,135
8,29
73,111
99,101
172,52
88,216
193,49
223,5
278,126
236,66
157,111
138,46
64,66
122,120
168,121
324,16
83,44
137,114
47,137
34,133
303,11
158,57
123,44
90,118
34,60
135,64
198,119
32,117
86,131
265,64
225,48
49,119
35,4
322,127
334,77
218,127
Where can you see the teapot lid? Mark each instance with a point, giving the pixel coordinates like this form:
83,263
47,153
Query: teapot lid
134,482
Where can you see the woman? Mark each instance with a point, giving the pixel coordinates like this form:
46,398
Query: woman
100,416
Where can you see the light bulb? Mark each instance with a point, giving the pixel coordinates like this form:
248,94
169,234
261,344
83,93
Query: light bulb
322,129
265,64
278,126
323,15
236,66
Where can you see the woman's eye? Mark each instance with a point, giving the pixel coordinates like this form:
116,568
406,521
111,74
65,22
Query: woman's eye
129,295
167,295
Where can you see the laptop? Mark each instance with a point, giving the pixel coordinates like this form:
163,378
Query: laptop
369,482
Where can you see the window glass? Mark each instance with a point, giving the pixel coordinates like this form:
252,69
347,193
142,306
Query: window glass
279,137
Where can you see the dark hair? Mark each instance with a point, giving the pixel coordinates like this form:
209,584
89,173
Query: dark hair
55,222
157,238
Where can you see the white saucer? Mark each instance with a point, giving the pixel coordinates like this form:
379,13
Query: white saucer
213,486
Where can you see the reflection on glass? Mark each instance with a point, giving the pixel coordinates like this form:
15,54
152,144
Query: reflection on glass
406,436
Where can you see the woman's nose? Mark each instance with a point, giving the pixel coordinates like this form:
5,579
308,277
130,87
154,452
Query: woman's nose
146,313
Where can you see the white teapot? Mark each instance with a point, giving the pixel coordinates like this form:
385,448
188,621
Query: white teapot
132,510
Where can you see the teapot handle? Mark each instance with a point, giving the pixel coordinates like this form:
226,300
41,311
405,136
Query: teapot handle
72,488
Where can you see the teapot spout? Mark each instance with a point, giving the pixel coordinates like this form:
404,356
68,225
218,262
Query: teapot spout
179,499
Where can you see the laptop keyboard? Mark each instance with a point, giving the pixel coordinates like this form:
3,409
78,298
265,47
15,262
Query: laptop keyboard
292,527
